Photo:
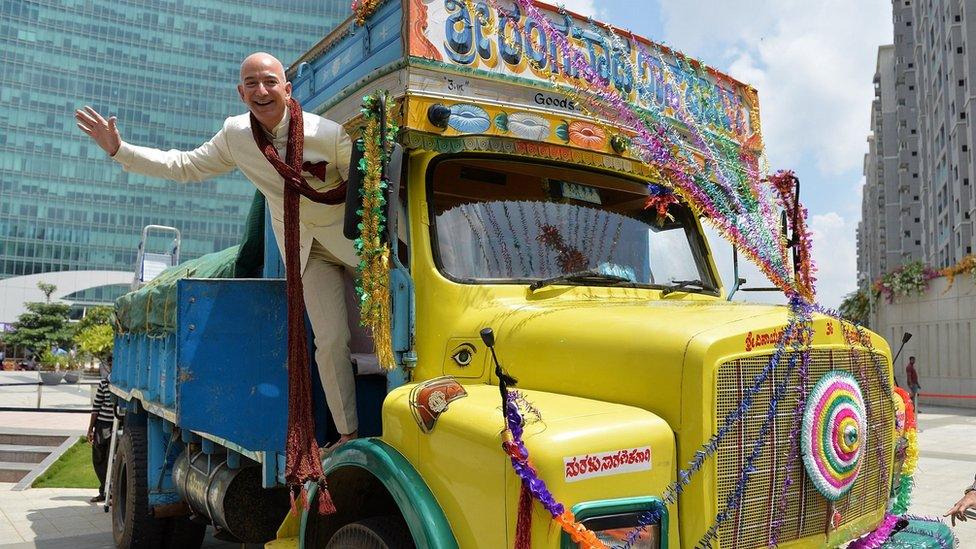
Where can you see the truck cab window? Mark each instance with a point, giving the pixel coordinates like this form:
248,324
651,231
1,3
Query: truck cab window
504,221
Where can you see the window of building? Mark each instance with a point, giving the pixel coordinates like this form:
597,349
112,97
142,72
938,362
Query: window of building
918,242
911,65
957,18
962,115
965,148
962,82
914,176
959,49
908,234
914,153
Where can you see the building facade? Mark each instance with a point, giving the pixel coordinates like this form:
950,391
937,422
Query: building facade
944,32
168,70
930,201
888,234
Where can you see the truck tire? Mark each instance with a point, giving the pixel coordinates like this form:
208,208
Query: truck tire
389,532
132,525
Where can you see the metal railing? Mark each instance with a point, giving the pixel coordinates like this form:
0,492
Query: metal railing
4,398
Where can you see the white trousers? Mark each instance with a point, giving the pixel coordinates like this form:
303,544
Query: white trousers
325,302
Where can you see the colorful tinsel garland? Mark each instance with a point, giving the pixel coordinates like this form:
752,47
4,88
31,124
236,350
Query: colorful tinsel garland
363,9
903,497
532,485
373,284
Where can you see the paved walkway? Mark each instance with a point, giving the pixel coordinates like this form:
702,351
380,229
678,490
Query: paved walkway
52,518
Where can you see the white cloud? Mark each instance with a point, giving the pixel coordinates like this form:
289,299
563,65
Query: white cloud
812,63
835,254
582,7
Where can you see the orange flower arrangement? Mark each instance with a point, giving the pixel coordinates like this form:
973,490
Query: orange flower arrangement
587,135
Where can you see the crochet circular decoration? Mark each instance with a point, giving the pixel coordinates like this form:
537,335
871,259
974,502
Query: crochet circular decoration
834,433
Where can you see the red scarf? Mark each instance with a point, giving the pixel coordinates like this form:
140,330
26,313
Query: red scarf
301,449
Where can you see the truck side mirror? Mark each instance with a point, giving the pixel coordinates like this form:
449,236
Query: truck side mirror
391,172
354,200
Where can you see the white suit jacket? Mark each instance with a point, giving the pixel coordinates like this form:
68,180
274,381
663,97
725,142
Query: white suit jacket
234,147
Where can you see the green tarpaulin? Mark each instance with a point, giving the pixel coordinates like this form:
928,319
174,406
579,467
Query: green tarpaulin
152,309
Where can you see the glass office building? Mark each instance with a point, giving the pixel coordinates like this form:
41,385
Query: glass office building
168,70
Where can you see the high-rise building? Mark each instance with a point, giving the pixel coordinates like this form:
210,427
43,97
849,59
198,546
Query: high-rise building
167,69
944,32
926,209
888,233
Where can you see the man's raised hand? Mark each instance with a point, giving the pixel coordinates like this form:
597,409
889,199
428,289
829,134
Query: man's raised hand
104,132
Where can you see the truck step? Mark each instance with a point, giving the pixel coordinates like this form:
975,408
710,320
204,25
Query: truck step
20,453
13,472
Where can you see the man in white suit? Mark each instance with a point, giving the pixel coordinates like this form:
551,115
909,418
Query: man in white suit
324,250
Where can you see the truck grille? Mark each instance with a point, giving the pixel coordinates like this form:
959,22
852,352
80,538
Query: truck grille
807,512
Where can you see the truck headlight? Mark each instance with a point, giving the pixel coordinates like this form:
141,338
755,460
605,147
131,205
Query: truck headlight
614,529
613,520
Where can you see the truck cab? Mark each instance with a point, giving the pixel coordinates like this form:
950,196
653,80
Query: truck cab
517,210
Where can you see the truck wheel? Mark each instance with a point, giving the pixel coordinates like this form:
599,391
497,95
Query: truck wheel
132,526
389,532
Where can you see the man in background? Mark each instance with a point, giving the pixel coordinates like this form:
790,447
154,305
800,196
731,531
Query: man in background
100,429
913,386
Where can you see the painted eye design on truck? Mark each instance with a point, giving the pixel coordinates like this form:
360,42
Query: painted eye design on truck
464,355
528,126
467,118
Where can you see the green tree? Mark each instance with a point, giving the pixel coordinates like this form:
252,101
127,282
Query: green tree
856,307
94,334
40,327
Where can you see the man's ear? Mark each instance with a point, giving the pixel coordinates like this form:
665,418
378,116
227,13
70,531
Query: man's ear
240,91
288,90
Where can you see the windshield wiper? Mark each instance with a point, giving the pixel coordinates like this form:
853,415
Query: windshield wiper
678,285
587,277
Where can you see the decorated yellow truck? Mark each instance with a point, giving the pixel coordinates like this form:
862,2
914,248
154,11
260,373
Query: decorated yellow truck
552,359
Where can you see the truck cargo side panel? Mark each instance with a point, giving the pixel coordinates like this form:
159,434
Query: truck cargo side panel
231,360
354,57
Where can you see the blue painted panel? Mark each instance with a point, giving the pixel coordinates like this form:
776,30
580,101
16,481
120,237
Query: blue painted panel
161,455
359,53
273,265
231,360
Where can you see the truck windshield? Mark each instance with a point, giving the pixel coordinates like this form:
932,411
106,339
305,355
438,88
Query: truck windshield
499,220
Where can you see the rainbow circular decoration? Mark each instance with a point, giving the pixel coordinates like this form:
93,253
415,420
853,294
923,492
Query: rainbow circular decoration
834,433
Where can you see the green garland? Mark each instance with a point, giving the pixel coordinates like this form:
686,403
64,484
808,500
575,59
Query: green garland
373,281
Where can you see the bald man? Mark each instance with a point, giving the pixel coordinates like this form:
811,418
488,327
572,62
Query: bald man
325,252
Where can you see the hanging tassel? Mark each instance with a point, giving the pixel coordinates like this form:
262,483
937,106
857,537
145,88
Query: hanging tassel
326,505
523,525
291,498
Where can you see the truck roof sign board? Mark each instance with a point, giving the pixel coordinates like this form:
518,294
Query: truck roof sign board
495,39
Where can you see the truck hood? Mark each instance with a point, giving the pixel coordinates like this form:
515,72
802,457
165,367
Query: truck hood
631,352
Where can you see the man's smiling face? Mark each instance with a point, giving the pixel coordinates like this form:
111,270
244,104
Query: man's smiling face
263,88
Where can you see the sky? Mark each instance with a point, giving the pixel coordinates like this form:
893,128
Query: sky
813,64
